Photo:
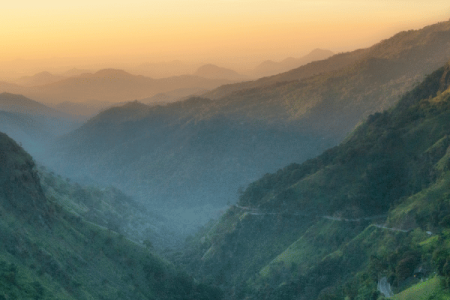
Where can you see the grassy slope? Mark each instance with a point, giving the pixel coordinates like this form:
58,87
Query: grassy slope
428,290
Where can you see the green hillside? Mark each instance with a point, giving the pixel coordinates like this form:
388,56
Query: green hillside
110,208
47,252
376,206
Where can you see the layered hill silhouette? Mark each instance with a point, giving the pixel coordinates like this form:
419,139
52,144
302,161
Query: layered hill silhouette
21,104
109,85
201,151
216,72
117,86
75,72
165,69
32,123
173,96
368,213
409,51
8,87
350,86
41,78
270,67
83,110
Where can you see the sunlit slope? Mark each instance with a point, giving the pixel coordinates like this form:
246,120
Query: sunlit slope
49,253
332,95
270,67
375,206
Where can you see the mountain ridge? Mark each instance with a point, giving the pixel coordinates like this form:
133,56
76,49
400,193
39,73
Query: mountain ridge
110,85
387,48
374,206
21,104
33,124
202,149
269,67
216,72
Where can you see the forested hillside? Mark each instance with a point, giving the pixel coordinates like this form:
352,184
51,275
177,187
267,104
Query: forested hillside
367,216
47,252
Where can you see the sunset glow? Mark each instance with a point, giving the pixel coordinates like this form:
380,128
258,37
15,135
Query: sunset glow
224,31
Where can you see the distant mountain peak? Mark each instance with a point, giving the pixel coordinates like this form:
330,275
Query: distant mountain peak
316,54
112,73
41,78
10,94
206,66
6,97
268,62
132,110
21,104
213,71
270,67
213,68
75,72
134,105
289,59
44,73
320,50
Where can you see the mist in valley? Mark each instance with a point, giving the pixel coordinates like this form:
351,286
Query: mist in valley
210,160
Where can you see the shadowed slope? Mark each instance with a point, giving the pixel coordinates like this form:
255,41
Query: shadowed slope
49,253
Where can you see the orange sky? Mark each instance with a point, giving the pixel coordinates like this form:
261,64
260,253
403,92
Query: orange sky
227,32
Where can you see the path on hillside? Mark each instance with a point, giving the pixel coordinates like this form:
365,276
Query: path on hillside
392,228
383,285
257,212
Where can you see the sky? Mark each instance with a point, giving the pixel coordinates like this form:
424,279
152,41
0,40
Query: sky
228,32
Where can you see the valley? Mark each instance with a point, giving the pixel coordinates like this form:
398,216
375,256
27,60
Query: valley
205,149
327,179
